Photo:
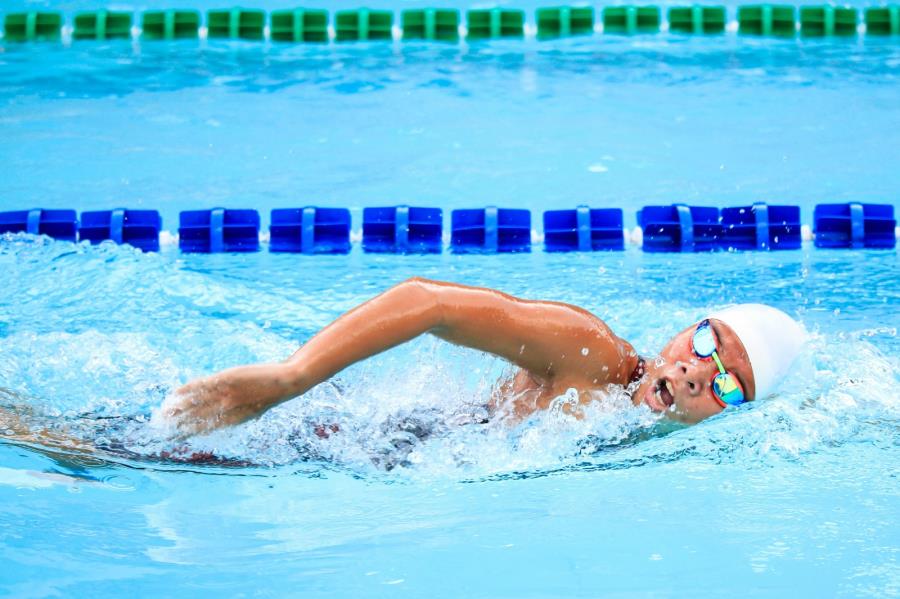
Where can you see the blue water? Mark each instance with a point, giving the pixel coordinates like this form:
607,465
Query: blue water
797,492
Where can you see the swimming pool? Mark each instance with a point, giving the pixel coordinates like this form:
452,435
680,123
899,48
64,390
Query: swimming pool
796,493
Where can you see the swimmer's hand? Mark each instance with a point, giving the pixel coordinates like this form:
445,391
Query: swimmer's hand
226,399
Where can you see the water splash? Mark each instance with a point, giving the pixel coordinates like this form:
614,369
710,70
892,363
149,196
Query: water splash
94,338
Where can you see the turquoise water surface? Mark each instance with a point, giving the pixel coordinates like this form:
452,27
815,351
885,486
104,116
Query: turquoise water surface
796,495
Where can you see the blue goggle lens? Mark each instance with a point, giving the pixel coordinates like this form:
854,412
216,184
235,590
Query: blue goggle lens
704,342
726,388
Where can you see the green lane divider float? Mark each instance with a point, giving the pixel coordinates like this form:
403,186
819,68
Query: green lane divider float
631,19
362,25
299,25
495,23
102,25
827,21
311,25
697,19
767,20
434,24
236,23
170,24
33,26
884,20
564,21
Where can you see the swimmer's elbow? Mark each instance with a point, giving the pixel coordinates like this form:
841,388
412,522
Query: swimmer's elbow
427,296
416,283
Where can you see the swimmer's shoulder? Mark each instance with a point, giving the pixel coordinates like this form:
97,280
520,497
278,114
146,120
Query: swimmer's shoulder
603,356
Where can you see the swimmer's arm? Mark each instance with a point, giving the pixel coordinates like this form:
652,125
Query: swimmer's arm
549,339
553,341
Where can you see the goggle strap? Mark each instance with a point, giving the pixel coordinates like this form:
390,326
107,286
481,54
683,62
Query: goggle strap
715,356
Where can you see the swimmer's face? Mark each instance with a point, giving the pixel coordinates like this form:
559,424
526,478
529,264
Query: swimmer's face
679,383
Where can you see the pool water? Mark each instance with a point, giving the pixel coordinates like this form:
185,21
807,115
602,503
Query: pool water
797,492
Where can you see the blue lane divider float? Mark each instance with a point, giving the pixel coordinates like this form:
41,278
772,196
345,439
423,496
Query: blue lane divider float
854,225
584,230
139,228
218,230
58,224
490,230
402,230
680,228
761,227
310,230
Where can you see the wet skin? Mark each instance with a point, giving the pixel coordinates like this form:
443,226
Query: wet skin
679,383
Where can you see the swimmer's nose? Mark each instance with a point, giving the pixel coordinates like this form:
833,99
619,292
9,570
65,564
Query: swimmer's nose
691,379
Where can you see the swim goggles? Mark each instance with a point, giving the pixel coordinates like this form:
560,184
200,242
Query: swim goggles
725,387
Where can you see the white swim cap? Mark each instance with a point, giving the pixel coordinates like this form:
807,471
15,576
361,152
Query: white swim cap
772,340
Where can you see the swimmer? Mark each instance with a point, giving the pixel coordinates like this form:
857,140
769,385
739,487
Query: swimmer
733,356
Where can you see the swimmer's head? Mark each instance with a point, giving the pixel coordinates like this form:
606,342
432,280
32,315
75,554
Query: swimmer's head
754,342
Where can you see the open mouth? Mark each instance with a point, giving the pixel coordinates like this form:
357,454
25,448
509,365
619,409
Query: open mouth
665,392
